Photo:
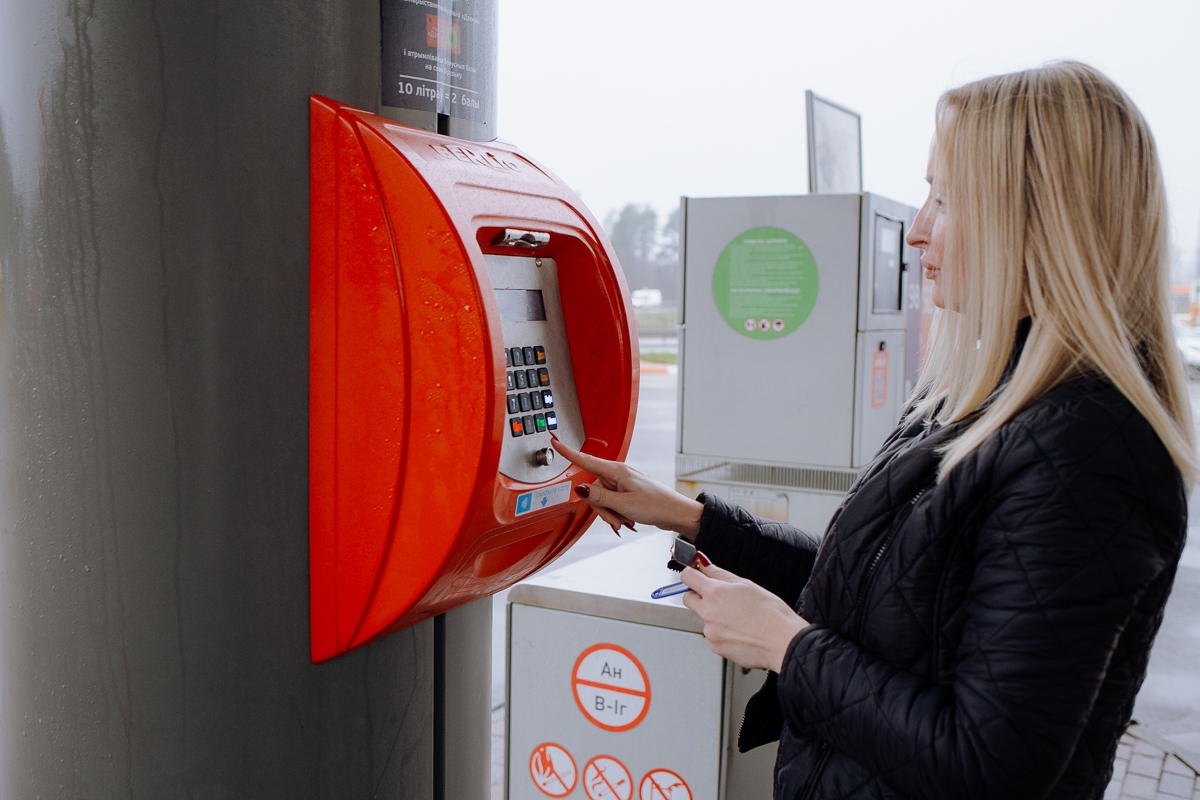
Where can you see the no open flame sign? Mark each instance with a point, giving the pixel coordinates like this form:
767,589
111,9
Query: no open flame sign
611,687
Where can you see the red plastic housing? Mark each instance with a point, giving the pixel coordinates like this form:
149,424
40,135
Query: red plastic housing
408,513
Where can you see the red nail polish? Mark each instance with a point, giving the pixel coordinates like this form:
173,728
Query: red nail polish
703,559
583,490
630,526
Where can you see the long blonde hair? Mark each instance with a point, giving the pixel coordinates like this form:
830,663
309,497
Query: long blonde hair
1055,207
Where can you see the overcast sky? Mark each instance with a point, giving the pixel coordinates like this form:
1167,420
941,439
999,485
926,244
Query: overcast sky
646,100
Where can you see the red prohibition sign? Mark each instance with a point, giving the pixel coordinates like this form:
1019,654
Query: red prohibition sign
552,769
611,687
606,778
663,784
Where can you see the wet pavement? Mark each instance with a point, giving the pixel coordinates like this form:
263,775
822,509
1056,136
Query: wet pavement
1168,706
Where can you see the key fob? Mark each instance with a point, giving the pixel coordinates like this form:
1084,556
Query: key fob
683,554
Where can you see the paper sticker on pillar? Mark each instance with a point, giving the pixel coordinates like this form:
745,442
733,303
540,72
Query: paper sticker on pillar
543,498
663,784
552,769
765,283
611,687
606,778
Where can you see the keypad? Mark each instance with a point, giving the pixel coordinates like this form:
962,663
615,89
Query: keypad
521,422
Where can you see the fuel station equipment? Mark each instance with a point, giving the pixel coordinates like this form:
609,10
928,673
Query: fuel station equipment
613,694
799,326
466,308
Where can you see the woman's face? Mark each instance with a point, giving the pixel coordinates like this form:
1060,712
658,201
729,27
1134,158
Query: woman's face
928,232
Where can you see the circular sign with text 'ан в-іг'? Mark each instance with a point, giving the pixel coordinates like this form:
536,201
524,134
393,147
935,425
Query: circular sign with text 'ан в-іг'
611,687
765,283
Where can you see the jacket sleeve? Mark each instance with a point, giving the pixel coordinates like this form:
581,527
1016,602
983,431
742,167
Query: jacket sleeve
1064,557
775,555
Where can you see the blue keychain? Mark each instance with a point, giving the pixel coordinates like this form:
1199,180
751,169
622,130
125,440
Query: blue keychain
683,554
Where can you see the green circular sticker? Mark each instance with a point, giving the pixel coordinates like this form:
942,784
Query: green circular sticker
765,283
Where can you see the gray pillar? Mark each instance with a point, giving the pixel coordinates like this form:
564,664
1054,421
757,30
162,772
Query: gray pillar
153,412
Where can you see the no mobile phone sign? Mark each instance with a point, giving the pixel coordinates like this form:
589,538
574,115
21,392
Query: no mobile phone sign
611,687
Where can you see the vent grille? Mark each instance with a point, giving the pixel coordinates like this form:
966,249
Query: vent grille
698,469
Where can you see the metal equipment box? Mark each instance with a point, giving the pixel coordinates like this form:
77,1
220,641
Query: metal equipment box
613,695
794,322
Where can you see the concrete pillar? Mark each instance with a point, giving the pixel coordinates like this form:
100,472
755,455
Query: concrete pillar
153,412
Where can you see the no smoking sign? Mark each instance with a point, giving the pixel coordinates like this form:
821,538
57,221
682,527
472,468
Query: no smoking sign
611,687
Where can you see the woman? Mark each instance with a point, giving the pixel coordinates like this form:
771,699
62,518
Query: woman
980,612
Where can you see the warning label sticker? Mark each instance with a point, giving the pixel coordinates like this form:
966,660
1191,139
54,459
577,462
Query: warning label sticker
663,784
611,687
879,371
543,498
606,778
552,769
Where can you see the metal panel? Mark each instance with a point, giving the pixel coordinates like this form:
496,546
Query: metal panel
516,454
681,729
878,209
748,776
788,399
810,510
879,391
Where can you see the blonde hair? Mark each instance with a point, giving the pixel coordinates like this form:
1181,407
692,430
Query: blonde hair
1055,207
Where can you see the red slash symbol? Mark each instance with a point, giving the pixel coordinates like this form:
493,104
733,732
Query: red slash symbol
663,784
605,778
552,769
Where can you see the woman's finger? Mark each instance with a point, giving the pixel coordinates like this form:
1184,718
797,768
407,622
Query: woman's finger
612,519
601,468
601,497
697,581
713,571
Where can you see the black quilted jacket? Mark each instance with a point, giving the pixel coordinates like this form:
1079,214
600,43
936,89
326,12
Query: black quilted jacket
979,637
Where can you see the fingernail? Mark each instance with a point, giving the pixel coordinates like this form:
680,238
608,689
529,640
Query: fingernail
583,490
617,531
703,559
630,526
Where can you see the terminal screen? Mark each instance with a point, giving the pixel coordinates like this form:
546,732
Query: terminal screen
886,291
520,305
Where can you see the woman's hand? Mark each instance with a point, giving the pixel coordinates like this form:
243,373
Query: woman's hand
623,496
742,621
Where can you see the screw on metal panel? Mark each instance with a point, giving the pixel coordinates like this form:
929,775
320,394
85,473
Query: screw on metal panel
537,262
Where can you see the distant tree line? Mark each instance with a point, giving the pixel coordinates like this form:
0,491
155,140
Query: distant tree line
648,250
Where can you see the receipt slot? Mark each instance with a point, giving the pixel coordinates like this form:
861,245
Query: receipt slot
465,308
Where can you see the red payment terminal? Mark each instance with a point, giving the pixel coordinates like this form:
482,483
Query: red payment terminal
465,307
